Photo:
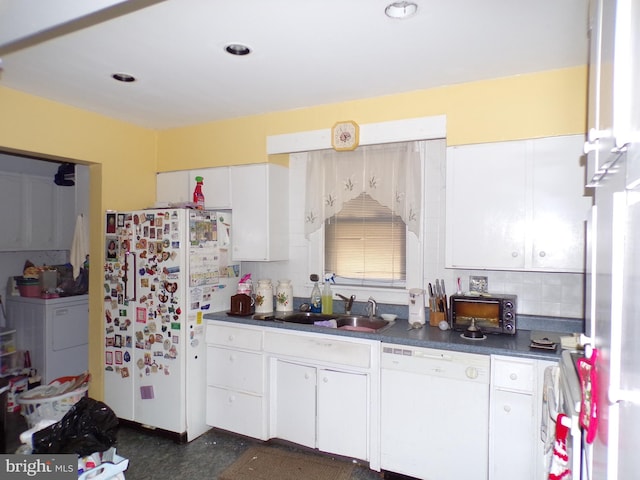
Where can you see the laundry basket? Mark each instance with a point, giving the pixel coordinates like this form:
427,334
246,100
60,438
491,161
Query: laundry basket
52,401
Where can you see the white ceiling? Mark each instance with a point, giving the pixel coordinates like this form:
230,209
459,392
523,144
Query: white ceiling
304,53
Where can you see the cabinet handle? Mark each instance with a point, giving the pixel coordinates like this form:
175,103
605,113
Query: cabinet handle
514,254
232,358
325,379
513,376
231,398
231,338
507,408
306,376
543,254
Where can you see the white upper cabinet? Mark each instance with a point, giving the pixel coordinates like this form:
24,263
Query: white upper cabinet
173,187
12,235
260,204
38,214
517,205
177,187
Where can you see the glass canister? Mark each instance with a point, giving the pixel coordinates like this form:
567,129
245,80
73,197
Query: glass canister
284,296
264,296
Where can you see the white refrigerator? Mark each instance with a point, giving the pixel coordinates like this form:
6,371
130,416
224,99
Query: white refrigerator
613,275
163,270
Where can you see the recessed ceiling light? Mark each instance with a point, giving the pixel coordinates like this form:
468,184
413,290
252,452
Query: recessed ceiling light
237,49
401,10
124,77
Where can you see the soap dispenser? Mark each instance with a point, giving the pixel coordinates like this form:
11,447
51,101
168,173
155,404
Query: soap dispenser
327,295
316,296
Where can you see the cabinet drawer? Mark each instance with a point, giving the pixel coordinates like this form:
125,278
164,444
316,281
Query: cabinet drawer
236,337
237,412
319,347
517,375
235,369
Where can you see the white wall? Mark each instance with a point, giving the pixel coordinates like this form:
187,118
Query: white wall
546,294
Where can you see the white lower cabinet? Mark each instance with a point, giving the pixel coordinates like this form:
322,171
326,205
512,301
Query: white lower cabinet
294,409
343,413
236,380
515,448
322,393
309,411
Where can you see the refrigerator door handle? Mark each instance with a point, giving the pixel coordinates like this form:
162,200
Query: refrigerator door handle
130,276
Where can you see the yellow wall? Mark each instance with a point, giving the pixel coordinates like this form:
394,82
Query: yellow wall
122,162
124,158
524,106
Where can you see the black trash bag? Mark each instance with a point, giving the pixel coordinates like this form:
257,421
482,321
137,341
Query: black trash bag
89,426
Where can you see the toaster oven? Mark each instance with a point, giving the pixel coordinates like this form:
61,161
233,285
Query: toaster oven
492,313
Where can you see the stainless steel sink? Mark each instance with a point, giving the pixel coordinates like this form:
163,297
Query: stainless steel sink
358,323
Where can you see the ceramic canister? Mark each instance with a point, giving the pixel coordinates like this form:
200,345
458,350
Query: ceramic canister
264,296
284,296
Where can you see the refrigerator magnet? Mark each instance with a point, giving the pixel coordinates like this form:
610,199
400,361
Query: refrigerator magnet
111,223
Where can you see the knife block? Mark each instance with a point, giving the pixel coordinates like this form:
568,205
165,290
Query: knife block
436,317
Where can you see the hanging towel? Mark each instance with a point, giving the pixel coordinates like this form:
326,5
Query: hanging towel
79,246
560,469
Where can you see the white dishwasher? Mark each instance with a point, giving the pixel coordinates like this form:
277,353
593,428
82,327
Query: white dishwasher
434,413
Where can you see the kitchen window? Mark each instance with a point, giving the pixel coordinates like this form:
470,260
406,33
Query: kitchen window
367,203
365,243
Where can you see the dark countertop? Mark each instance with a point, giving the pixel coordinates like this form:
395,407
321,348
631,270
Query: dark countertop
429,337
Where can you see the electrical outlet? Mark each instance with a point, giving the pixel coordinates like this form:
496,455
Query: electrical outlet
478,284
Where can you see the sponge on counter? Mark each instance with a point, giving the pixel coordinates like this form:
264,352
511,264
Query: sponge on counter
327,323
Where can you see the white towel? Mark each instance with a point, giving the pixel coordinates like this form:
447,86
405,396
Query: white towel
79,246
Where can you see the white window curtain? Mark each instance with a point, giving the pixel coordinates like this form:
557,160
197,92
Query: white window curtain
389,173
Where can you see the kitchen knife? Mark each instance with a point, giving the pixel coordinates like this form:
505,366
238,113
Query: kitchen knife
444,300
439,296
432,299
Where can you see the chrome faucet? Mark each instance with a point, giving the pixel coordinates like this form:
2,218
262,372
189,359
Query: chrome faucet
348,303
372,307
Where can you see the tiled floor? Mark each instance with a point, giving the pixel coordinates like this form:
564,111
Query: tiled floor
155,457
152,457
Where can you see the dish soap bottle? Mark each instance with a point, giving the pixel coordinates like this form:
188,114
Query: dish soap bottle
198,196
316,296
327,295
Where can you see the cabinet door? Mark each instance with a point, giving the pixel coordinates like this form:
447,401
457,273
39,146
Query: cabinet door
295,403
65,216
260,206
234,369
512,436
560,206
249,199
41,213
486,206
173,187
216,188
12,197
342,425
235,411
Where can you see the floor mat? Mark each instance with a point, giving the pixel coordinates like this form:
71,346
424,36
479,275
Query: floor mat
262,463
